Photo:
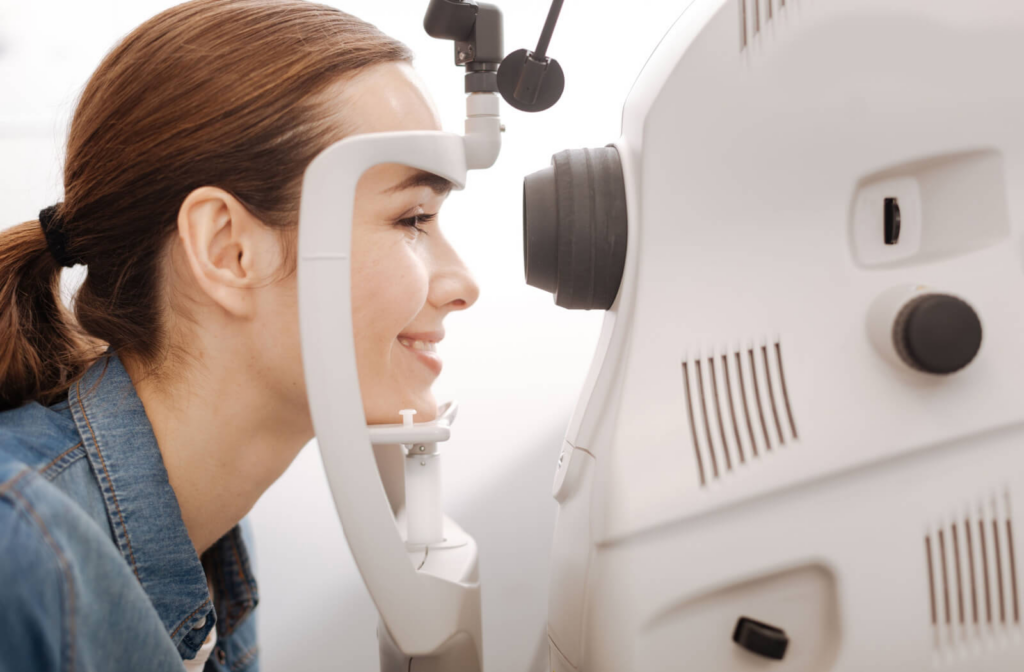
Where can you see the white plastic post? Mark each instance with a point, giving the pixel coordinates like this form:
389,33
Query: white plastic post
423,498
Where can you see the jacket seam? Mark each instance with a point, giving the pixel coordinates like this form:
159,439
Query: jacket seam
245,658
113,492
248,590
57,459
189,617
9,485
68,580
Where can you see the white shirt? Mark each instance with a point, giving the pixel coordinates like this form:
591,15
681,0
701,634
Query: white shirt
197,663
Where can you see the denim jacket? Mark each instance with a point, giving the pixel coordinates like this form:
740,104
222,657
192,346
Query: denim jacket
97,571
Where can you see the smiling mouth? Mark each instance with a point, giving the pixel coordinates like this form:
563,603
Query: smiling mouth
424,351
428,346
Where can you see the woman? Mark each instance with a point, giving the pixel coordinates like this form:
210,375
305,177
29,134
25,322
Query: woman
136,435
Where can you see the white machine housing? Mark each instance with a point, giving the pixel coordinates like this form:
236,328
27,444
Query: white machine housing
743,445
420,568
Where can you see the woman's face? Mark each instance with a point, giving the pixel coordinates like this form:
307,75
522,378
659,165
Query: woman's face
405,276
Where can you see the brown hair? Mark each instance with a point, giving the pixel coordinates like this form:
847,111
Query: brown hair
211,92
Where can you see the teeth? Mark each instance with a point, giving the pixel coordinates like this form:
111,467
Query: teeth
418,345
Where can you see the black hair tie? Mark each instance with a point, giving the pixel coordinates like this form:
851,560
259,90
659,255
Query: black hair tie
56,237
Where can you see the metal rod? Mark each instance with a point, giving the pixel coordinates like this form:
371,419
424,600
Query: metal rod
549,27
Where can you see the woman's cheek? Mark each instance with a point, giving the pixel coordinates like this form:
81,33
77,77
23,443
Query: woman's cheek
407,289
399,284
389,289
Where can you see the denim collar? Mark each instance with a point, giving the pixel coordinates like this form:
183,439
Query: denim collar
145,518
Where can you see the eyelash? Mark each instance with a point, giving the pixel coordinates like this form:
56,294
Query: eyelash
413,221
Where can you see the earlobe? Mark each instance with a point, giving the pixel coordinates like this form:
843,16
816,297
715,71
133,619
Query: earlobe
220,240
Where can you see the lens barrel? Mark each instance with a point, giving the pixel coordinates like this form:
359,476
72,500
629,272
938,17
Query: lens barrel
574,227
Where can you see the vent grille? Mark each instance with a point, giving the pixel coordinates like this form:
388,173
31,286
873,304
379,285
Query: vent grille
738,407
755,15
972,574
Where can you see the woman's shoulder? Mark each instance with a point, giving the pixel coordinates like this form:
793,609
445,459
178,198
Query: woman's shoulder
37,587
69,599
43,473
34,451
43,523
34,435
33,583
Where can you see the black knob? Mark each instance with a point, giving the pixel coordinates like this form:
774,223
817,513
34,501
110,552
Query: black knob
760,638
937,333
529,84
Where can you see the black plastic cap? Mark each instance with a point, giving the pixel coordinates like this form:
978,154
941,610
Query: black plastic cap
937,333
760,638
575,228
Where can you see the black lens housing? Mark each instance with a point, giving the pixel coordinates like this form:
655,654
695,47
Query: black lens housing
575,227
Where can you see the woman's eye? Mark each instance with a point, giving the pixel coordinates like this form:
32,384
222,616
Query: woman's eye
412,222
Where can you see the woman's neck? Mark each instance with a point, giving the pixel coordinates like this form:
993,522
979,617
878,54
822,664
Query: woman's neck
224,436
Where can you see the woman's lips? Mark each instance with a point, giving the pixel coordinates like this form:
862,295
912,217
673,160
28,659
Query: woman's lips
429,358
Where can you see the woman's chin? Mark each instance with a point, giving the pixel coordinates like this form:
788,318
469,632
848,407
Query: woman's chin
426,408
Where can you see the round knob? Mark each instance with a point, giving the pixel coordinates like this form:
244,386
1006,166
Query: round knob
937,333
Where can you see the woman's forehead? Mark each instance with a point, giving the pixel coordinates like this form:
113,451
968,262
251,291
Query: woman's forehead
387,97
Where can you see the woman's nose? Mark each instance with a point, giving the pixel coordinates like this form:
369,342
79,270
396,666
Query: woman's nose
452,286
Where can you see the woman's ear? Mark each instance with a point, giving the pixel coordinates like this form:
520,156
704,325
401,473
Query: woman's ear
229,251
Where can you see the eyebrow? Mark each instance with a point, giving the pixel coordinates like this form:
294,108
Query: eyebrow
421,178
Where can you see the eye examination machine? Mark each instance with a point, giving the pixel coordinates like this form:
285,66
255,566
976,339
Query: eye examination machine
799,446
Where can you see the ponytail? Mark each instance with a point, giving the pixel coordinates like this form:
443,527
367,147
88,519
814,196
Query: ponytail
42,348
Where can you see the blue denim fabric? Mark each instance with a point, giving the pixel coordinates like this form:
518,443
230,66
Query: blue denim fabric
97,571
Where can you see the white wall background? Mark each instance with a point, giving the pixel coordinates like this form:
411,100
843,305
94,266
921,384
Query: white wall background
515,361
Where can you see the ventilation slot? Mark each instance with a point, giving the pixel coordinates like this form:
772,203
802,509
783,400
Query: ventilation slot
972,574
755,15
738,407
